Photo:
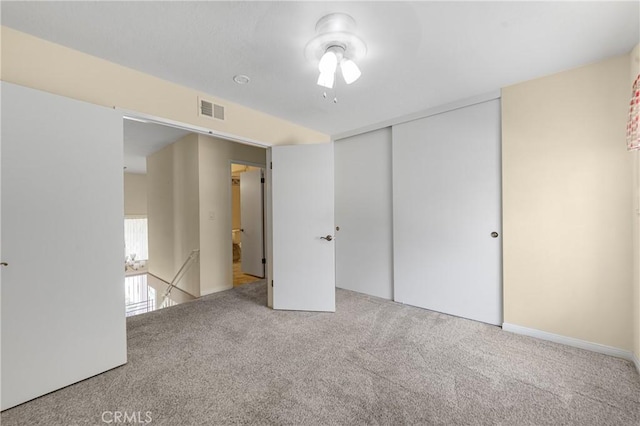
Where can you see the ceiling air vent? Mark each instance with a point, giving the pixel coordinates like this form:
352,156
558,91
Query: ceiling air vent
209,109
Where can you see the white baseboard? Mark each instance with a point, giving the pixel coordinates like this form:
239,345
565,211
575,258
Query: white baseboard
215,290
570,341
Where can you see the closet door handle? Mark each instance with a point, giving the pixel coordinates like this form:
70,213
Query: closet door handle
328,238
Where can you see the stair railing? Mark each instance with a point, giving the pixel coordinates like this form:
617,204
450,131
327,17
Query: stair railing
193,257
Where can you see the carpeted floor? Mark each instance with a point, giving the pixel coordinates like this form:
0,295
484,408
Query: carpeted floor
227,359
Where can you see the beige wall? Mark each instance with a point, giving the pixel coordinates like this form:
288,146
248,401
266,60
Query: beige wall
39,64
635,161
216,156
160,213
190,206
568,264
235,207
135,194
173,211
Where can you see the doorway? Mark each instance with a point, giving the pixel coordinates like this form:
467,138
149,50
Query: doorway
247,230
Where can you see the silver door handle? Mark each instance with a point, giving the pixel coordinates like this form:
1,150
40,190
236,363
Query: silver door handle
328,238
4,264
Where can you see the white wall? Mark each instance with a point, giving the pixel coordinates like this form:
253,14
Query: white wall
216,257
363,211
135,194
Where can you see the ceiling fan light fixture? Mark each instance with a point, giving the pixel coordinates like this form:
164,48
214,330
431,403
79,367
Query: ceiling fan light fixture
350,71
336,43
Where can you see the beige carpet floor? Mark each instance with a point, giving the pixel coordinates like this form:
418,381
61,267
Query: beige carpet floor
227,359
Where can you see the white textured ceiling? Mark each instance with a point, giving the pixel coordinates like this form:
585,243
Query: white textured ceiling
421,54
143,139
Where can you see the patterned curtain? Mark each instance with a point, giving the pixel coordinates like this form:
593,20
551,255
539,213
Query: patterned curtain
633,123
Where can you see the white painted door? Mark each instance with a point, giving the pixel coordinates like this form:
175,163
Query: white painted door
303,227
251,223
63,306
446,205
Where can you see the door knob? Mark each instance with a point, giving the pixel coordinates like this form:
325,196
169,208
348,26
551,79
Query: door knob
328,238
494,234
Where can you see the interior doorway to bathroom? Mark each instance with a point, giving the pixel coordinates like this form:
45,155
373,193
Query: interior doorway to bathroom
247,192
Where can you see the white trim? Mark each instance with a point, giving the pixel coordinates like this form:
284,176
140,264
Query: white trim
215,290
485,97
146,118
247,163
570,341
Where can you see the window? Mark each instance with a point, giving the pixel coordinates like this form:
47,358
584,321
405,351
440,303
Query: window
135,238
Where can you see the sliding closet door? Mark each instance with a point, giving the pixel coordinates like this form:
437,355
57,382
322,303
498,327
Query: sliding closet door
446,213
63,239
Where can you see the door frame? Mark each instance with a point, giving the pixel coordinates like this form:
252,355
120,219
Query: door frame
263,202
148,118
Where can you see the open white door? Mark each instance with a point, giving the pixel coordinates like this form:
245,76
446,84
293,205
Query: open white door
63,307
303,227
252,223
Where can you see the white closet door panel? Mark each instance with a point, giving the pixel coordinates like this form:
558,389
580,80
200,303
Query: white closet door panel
446,195
364,244
63,308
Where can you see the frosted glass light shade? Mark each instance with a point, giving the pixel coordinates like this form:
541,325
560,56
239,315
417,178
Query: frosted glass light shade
326,79
350,71
328,63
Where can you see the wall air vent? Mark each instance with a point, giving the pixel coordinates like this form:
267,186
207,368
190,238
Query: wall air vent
209,109
218,112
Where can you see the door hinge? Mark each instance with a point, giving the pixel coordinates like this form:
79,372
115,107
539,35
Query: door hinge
271,283
261,180
271,164
264,261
